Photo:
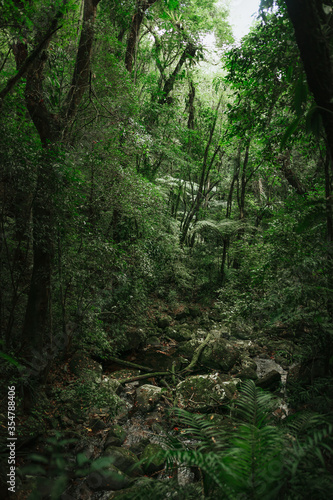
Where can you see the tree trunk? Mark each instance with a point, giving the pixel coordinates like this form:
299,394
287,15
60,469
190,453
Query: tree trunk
314,40
133,36
189,52
53,130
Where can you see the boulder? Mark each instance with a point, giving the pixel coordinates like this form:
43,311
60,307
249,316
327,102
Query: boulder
218,354
152,461
133,338
112,385
123,459
153,340
116,436
306,371
248,369
135,491
110,478
179,334
147,397
202,392
181,313
270,381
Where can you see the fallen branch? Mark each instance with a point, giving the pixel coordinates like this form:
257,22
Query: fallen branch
197,354
142,377
129,364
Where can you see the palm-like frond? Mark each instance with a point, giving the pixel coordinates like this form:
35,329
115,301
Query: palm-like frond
226,226
254,405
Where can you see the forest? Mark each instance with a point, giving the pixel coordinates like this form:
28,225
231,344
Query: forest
166,251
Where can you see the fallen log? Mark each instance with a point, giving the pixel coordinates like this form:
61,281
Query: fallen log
129,364
142,377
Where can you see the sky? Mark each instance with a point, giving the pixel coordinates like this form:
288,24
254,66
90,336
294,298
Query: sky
240,16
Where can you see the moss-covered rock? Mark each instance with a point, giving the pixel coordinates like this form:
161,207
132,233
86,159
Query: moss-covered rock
147,396
218,354
202,392
153,462
179,334
116,436
110,478
123,459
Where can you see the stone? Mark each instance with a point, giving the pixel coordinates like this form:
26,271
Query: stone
202,391
96,424
270,381
147,397
112,384
218,354
134,491
152,462
133,338
108,479
116,436
123,459
179,334
247,373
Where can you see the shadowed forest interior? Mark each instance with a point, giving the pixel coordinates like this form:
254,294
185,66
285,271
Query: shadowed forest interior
166,250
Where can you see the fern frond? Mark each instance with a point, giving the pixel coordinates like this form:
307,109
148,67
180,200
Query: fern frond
254,405
203,431
226,226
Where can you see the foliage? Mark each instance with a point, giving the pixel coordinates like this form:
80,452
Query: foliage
255,459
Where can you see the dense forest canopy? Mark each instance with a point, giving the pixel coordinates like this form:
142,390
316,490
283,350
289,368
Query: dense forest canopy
142,165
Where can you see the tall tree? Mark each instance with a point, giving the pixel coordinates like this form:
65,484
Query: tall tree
54,130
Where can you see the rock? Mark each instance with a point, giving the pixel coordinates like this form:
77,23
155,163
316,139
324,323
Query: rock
96,424
139,445
112,384
248,363
153,462
110,478
247,373
219,354
248,369
86,368
270,381
147,396
123,459
202,391
180,334
116,436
